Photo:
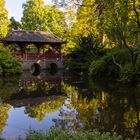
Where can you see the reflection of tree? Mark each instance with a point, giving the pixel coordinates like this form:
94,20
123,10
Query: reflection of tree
31,86
71,93
88,111
3,115
40,86
67,116
112,108
8,87
119,111
67,120
39,111
130,122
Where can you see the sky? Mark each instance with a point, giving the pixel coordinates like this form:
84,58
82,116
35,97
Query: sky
14,8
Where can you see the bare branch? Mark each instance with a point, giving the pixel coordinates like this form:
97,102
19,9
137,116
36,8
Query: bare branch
114,61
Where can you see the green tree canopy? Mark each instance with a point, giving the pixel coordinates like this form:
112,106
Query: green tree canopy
87,19
38,16
14,24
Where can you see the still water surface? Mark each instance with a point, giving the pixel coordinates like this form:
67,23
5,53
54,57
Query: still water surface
69,102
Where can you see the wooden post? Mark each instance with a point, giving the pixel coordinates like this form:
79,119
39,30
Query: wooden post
43,52
22,48
38,50
61,57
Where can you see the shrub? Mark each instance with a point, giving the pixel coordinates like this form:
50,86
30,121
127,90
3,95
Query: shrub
122,55
127,73
63,135
97,67
87,49
8,64
106,66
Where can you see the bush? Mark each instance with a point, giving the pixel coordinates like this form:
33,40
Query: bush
127,73
106,66
63,135
130,73
97,67
8,64
122,55
87,49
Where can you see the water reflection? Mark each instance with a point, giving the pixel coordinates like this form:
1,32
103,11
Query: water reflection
51,105
4,108
68,102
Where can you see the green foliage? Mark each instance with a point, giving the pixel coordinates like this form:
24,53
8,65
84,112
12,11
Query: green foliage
127,73
1,70
87,19
34,15
63,135
97,67
111,63
39,111
8,86
88,48
8,64
114,24
38,16
4,108
4,22
116,63
121,55
14,24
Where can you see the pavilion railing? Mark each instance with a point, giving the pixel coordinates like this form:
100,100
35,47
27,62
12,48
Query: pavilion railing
38,57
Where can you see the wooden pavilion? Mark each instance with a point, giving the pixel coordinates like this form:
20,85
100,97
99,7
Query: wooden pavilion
38,38
41,40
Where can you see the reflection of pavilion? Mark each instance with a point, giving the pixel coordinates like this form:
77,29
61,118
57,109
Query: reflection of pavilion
28,79
36,46
35,90
30,101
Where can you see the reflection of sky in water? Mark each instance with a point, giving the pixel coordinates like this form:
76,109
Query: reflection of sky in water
19,123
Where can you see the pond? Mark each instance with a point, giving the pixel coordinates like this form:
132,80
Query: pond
67,101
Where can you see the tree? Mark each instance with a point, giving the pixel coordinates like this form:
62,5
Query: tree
4,22
87,19
120,21
34,15
38,16
14,24
8,64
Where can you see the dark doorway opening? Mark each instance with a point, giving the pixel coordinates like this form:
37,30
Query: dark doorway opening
35,69
53,68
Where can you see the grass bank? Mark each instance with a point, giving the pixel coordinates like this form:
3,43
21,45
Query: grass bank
64,135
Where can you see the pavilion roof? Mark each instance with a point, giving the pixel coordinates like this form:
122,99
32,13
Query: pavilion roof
23,36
